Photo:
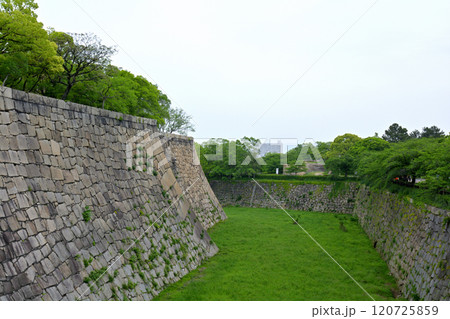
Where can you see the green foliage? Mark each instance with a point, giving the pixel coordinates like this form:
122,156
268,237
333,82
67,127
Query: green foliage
178,121
75,67
84,59
273,162
395,133
87,214
403,163
234,159
87,262
342,165
432,132
129,285
95,275
27,56
340,159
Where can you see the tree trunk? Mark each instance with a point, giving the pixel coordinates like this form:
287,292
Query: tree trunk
66,92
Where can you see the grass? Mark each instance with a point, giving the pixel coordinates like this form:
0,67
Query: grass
265,256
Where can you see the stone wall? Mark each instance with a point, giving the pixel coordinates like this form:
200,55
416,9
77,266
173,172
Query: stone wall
413,240
73,208
333,198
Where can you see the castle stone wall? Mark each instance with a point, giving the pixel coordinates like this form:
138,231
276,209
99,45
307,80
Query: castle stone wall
72,208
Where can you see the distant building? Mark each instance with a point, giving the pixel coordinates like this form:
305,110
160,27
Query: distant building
270,148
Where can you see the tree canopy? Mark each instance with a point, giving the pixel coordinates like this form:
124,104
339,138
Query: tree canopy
76,67
178,121
395,133
27,56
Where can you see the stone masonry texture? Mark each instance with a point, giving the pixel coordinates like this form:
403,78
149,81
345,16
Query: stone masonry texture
413,239
85,214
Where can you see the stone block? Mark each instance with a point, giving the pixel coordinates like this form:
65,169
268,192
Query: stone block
47,265
46,148
20,184
22,141
32,170
21,264
68,176
22,157
32,143
13,223
11,169
68,234
6,93
51,225
32,214
44,212
54,293
3,195
56,173
4,118
168,180
45,171
56,150
14,157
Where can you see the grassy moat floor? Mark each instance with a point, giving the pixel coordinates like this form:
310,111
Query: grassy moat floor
265,256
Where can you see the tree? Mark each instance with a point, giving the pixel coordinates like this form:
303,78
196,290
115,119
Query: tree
368,144
395,133
152,103
342,165
84,56
415,134
27,56
236,158
273,161
121,91
324,148
342,144
339,159
178,121
432,132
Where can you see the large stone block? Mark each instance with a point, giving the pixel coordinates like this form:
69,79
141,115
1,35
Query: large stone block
45,147
56,173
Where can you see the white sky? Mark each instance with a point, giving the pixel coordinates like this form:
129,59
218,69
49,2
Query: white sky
226,62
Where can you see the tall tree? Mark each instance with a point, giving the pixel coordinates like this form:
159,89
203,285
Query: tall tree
339,158
178,121
415,134
152,103
27,55
395,133
84,56
432,132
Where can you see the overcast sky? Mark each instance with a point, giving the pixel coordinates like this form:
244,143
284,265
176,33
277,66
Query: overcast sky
227,62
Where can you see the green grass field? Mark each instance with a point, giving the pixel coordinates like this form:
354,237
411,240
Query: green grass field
265,256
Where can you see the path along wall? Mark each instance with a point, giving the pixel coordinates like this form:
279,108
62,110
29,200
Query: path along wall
413,240
86,192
